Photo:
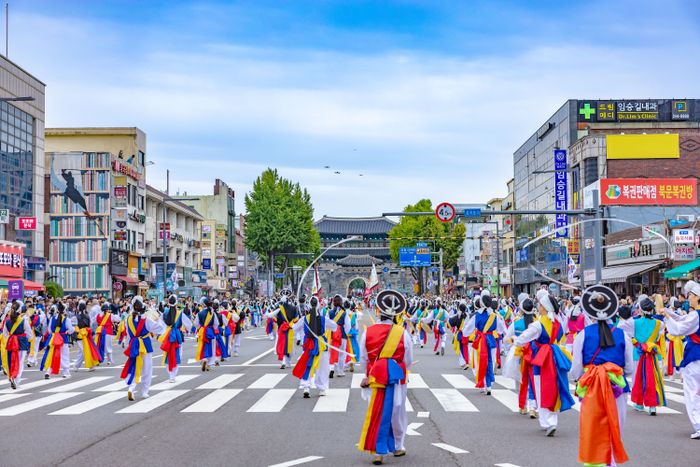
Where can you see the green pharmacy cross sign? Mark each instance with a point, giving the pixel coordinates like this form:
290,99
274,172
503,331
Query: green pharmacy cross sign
586,111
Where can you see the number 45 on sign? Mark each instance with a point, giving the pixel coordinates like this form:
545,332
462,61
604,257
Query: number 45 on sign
445,212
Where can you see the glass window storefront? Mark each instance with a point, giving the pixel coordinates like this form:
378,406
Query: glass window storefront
16,165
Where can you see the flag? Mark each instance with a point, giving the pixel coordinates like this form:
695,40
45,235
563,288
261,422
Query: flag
373,282
572,270
173,278
317,289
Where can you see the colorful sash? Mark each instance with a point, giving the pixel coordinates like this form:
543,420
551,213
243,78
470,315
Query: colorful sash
204,336
385,374
101,335
674,353
170,342
314,347
52,357
648,388
90,353
10,355
336,338
527,382
285,337
483,343
136,352
554,364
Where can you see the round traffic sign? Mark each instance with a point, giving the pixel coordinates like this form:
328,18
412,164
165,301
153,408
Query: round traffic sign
445,212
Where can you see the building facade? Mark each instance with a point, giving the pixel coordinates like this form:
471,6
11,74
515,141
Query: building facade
97,200
22,165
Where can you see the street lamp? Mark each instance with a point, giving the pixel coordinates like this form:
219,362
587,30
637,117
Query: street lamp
303,276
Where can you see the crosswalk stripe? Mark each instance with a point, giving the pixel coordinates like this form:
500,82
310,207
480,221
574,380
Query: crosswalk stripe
274,400
90,404
153,402
453,401
180,379
665,410
505,382
77,384
212,401
675,398
220,381
118,386
507,398
668,388
415,381
37,403
459,381
335,400
32,385
356,380
267,381
11,397
190,361
4,381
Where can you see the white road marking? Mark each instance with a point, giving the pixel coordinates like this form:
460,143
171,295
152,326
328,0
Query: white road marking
257,338
267,381
91,404
412,427
423,414
505,382
675,397
11,397
254,359
506,464
274,400
211,402
507,398
453,401
409,407
35,404
335,400
153,402
190,361
220,381
459,381
303,460
450,448
668,388
118,386
665,410
77,384
356,380
415,381
180,379
32,385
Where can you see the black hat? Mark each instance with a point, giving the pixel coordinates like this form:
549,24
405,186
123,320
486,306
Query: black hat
391,303
646,305
600,302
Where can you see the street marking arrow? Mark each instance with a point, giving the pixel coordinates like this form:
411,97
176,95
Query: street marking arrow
303,460
450,448
411,429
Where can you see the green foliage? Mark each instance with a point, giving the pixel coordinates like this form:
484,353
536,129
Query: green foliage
53,289
279,218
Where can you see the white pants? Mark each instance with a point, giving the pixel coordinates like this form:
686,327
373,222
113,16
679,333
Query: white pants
530,404
81,358
399,417
236,343
108,348
691,391
547,418
65,361
339,366
146,376
33,359
321,380
22,358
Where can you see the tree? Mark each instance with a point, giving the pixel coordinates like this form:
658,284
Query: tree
450,237
279,220
53,289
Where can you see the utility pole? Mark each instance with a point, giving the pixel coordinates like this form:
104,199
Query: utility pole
441,286
165,241
598,239
498,261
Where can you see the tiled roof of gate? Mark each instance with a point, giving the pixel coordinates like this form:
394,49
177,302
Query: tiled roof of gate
354,225
359,260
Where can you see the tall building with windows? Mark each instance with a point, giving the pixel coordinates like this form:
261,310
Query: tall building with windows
22,164
106,167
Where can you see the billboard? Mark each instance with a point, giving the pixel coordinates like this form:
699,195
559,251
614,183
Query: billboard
414,257
561,200
655,146
648,191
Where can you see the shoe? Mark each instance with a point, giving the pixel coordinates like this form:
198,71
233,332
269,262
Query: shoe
91,369
145,395
171,380
652,411
322,392
522,411
65,376
378,460
46,376
331,374
351,368
550,431
340,375
109,363
204,365
216,363
695,435
442,351
306,394
399,453
130,395
421,346
638,408
533,414
283,366
13,385
235,354
488,391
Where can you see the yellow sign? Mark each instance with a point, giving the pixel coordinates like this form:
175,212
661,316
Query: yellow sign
656,146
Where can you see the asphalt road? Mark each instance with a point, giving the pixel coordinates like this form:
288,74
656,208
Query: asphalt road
248,412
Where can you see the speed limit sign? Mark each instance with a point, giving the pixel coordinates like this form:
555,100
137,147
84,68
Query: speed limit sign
445,212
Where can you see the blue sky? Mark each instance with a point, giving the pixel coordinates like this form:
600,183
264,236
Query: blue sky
424,99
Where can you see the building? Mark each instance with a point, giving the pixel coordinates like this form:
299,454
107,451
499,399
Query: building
348,266
507,243
22,166
182,238
491,260
97,245
581,128
218,234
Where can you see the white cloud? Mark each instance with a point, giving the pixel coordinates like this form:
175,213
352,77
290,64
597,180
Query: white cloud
416,124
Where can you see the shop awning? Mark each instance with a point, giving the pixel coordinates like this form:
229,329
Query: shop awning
127,279
28,285
615,274
682,271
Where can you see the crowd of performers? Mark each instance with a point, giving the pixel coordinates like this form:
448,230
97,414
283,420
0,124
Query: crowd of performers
611,350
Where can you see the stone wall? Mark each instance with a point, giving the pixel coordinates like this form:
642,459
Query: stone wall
336,279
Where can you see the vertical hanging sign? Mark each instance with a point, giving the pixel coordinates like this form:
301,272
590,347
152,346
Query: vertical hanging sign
561,201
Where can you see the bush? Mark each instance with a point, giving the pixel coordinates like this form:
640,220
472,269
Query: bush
53,290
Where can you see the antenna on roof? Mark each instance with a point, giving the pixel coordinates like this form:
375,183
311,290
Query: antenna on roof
7,29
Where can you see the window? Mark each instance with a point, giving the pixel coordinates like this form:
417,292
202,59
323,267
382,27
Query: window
142,158
140,205
140,242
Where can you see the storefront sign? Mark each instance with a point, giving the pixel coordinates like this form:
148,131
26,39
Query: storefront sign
120,192
643,146
561,201
4,216
119,262
648,191
120,235
683,235
11,261
206,263
127,170
25,223
15,289
679,110
683,252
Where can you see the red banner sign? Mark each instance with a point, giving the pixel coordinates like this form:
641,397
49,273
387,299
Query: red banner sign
26,223
649,191
11,261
